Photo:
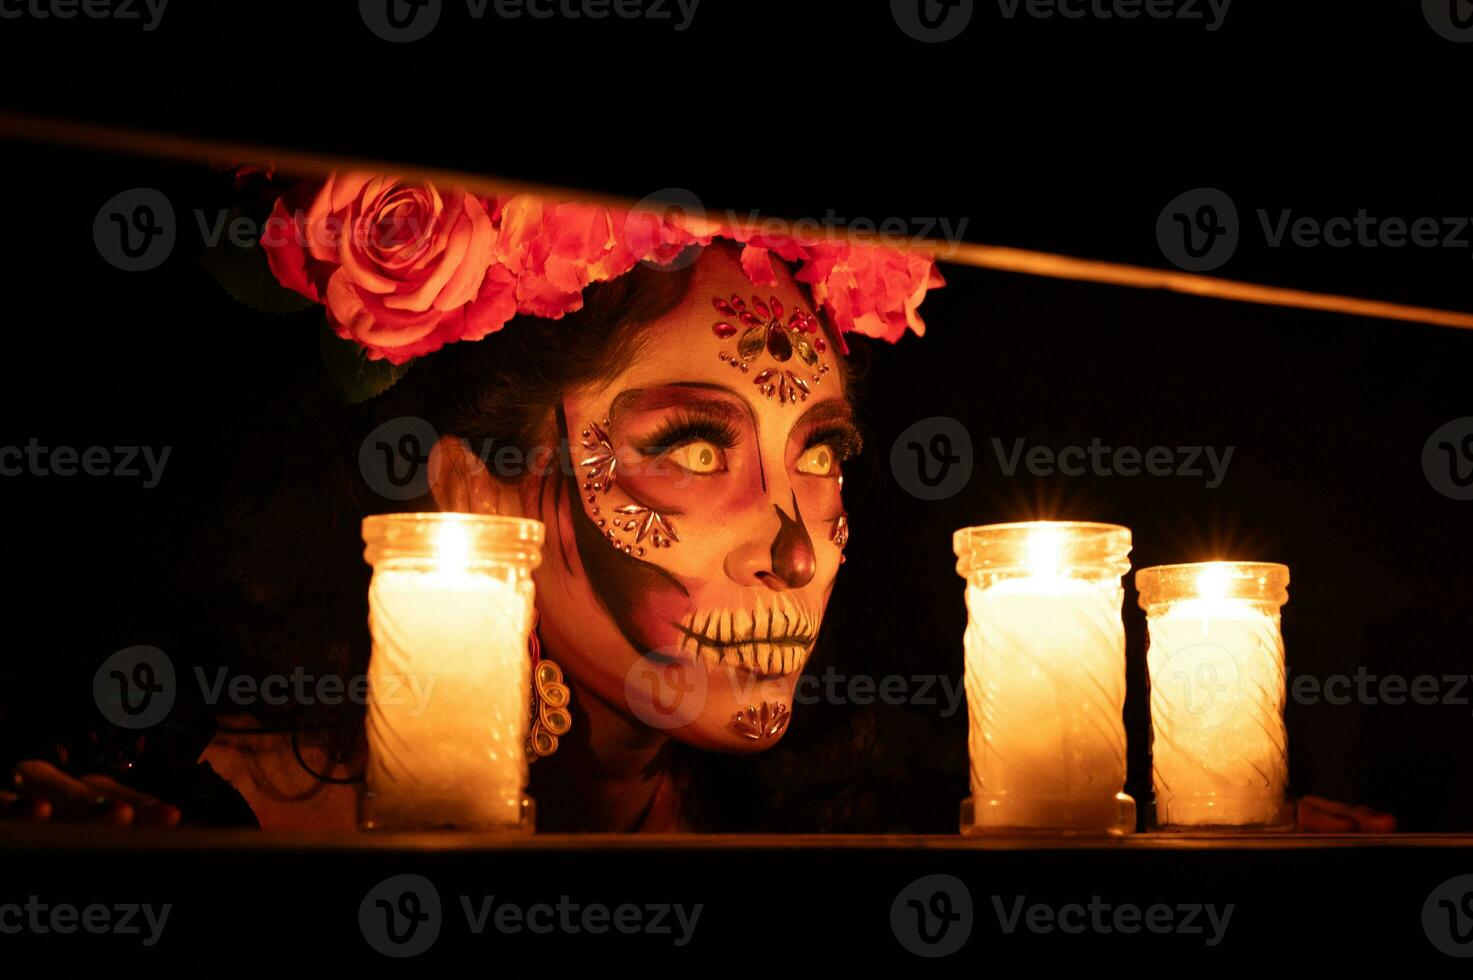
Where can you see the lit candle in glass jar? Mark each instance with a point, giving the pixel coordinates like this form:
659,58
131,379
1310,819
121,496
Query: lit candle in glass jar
1219,750
450,608
1045,677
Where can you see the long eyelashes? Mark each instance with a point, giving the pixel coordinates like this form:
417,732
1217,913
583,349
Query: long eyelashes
686,427
842,437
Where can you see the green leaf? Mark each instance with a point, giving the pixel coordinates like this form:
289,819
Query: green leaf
245,274
356,378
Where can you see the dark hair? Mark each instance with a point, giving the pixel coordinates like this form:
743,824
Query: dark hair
289,545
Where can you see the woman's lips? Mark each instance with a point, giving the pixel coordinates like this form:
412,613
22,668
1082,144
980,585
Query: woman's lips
773,640
777,657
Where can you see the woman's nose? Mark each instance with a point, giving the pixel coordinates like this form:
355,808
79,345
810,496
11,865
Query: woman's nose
780,557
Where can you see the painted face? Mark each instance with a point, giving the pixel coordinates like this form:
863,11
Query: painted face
703,531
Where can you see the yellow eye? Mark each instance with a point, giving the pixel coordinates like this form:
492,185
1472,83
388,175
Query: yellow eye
699,457
817,461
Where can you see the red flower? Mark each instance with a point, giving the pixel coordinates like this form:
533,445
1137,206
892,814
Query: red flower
402,268
554,251
871,290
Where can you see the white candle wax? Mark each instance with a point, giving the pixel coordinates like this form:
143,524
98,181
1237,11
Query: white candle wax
1045,678
1219,748
450,755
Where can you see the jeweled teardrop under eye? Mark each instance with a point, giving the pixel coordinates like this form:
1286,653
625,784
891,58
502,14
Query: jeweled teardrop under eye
723,330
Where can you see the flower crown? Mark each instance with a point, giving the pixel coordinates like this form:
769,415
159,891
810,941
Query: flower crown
403,268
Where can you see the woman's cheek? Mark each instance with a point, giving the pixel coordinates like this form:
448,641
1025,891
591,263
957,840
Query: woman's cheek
667,486
820,500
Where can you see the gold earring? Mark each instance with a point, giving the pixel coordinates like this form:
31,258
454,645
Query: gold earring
550,697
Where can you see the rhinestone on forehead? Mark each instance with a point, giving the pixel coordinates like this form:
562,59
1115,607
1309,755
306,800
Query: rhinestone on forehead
762,328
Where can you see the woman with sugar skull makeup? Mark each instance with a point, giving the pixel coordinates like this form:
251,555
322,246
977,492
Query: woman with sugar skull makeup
683,385
680,396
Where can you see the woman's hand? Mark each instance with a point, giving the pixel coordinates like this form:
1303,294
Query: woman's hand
40,791
1318,815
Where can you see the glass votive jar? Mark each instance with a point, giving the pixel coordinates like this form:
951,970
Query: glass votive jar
1215,657
449,681
1045,677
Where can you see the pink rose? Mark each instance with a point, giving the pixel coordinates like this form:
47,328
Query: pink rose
402,268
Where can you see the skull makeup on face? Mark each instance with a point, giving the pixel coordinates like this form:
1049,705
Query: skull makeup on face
702,527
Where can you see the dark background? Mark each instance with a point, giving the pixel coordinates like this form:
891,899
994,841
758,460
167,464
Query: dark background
1054,135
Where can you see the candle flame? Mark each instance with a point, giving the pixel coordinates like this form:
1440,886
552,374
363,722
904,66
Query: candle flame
1213,581
452,547
1045,546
